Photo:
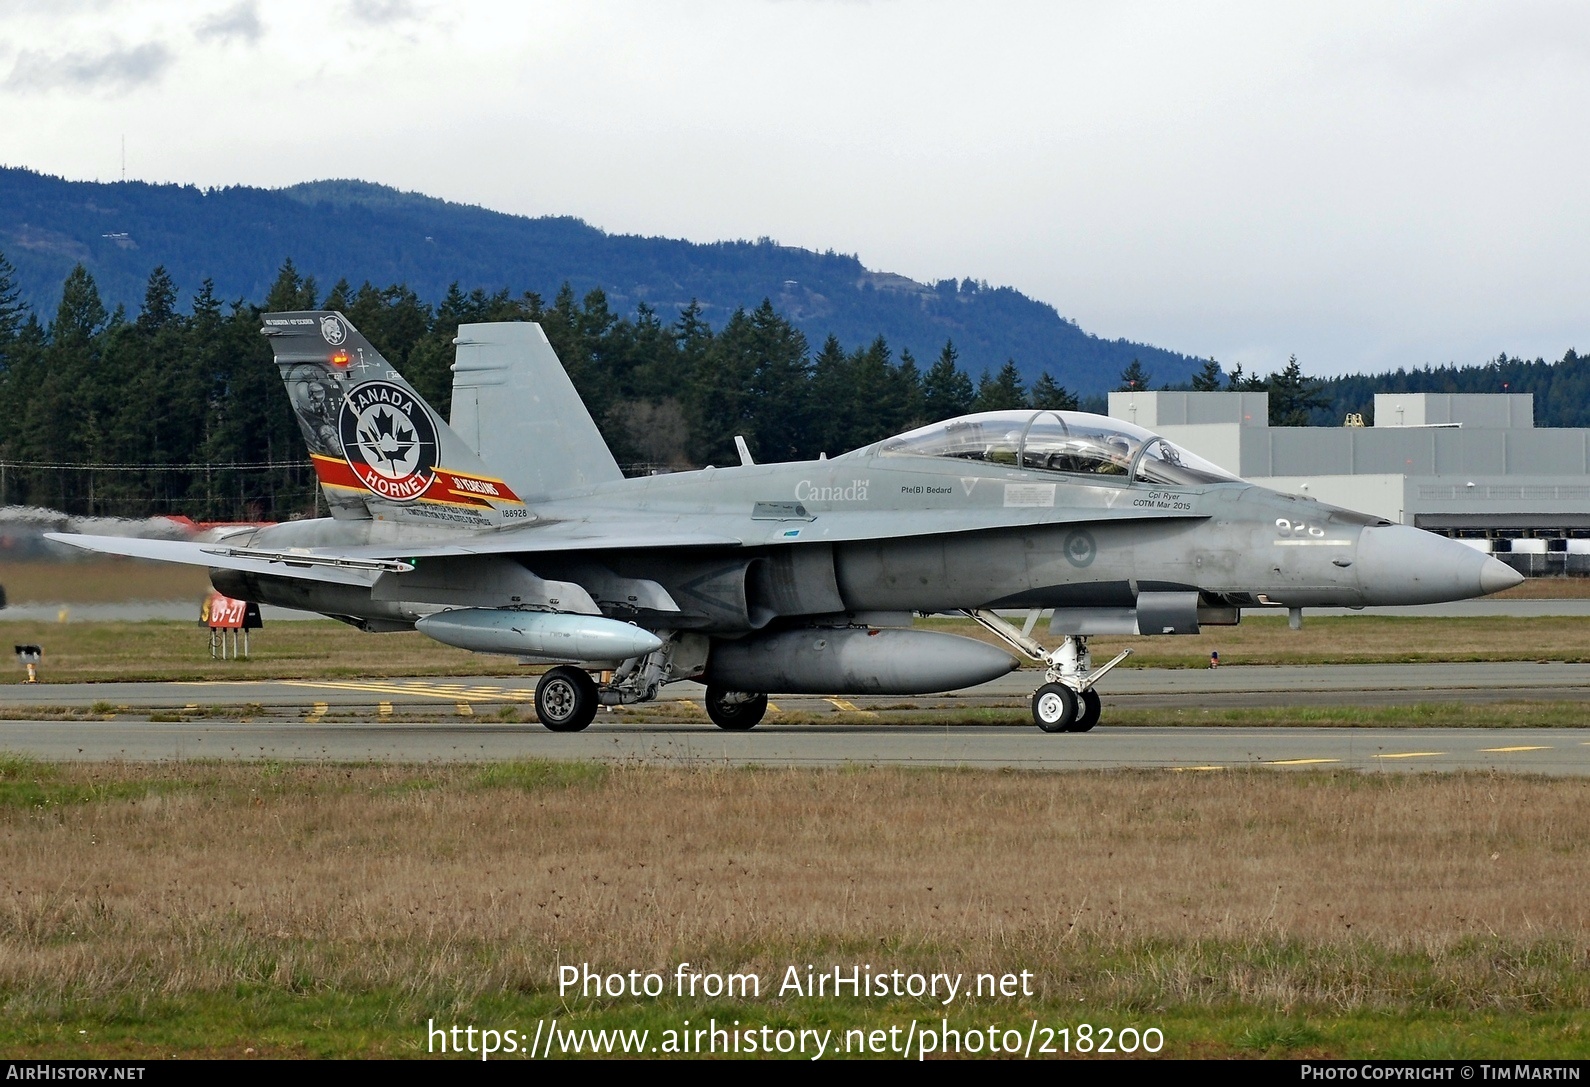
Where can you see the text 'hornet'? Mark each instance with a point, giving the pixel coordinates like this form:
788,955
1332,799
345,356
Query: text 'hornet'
510,529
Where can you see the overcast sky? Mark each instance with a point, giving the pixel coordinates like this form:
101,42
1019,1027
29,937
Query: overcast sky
1366,185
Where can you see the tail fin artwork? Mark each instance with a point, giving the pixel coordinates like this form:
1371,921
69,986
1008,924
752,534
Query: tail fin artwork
514,403
379,450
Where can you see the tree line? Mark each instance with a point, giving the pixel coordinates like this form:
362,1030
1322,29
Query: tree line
1561,388
182,411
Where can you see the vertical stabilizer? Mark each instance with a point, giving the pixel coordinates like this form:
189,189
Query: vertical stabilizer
379,450
514,403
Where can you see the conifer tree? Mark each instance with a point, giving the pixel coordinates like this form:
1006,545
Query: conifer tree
780,384
12,310
1002,391
832,399
291,291
1293,396
1048,393
946,390
1133,379
1207,379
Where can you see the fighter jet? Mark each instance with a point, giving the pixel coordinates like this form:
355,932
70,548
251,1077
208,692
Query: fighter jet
510,529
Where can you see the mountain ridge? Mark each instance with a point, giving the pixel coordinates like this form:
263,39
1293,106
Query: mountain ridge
238,236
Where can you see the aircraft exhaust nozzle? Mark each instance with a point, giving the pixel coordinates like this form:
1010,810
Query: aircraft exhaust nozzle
854,660
551,636
1399,564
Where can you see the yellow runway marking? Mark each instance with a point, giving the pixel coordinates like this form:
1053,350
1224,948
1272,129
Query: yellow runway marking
1299,762
191,706
1181,769
773,708
319,710
1501,749
422,690
1412,755
848,707
465,709
385,708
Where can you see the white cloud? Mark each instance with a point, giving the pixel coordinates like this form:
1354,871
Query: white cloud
1362,184
240,22
118,68
383,12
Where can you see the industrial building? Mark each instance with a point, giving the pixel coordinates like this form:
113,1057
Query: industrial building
1470,466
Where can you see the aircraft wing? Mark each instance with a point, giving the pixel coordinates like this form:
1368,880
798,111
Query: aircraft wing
338,570
360,564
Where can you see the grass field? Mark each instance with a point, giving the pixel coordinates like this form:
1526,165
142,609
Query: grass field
333,910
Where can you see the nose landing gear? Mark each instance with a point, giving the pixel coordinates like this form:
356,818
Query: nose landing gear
1067,701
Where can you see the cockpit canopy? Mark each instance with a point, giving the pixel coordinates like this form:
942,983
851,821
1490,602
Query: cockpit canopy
1058,441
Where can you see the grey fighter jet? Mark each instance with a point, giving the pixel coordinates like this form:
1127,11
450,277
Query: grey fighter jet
513,531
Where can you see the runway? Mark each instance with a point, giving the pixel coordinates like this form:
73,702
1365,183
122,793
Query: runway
427,720
1250,685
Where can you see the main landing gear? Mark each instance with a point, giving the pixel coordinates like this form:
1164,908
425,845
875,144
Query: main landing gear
735,711
566,699
1067,702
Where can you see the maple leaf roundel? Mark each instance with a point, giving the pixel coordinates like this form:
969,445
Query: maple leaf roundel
389,440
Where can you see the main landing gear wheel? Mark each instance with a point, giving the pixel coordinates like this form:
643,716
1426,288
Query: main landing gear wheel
1054,707
735,711
1088,712
566,699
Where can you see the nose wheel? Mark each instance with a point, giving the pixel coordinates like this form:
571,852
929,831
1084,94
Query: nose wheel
1057,708
1067,702
1054,707
1088,711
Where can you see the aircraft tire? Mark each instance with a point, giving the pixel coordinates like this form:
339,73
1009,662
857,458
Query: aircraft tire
732,711
1087,711
1054,707
566,699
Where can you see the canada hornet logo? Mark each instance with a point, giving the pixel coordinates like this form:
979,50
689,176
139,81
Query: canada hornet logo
389,440
332,330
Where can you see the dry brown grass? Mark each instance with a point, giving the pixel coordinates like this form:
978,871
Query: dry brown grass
103,581
462,880
1548,588
165,650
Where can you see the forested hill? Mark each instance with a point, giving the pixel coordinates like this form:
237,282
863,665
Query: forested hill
238,237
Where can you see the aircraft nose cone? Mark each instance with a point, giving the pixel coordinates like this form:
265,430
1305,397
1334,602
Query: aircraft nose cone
1496,575
1399,564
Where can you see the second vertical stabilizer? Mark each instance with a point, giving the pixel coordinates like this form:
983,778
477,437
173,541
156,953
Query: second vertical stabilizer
513,401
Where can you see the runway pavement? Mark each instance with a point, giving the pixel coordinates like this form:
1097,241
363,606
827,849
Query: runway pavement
1543,751
1364,684
423,720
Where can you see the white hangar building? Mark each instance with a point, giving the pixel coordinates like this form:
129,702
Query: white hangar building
1470,466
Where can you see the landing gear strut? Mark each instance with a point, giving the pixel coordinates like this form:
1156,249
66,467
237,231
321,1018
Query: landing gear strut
735,711
1067,701
566,699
